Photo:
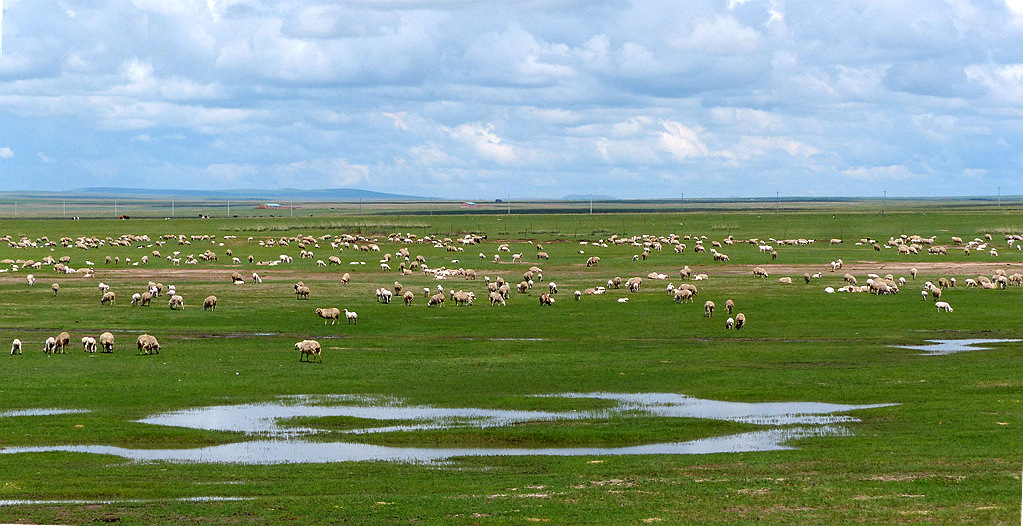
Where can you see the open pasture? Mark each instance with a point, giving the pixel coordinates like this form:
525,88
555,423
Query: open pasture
941,442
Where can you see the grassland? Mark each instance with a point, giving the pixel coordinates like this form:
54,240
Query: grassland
948,452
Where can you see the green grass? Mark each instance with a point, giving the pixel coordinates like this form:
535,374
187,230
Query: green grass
949,452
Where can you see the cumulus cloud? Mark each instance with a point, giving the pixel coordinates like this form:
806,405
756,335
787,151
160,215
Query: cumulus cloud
6,152
875,173
487,144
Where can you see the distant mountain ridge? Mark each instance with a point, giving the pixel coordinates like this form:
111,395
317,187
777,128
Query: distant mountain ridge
282,194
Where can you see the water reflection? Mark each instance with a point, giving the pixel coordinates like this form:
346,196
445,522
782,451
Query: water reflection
946,347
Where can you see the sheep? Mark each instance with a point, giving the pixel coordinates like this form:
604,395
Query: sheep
209,303
495,298
56,288
729,323
256,278
708,309
729,305
463,298
385,295
553,287
334,260
136,299
436,299
63,339
236,277
108,297
31,280
592,261
176,302
50,345
106,341
623,300
103,288
936,293
633,284
683,295
578,294
523,287
942,306
760,272
16,347
408,297
546,299
309,349
331,314
146,297
923,295
913,272
740,321
831,290
301,292
786,279
89,344
147,344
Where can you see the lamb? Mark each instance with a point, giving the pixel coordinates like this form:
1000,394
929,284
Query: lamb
553,286
31,280
408,297
108,297
578,294
103,288
50,345
623,300
546,299
56,288
942,306
352,317
385,295
729,305
136,299
106,341
740,320
176,302
495,298
334,260
147,344
708,309
436,299
729,323
209,303
309,349
89,344
345,278
16,347
256,278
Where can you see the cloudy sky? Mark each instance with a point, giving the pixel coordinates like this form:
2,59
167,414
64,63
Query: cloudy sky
515,98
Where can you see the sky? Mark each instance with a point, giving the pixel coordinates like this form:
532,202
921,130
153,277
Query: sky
483,99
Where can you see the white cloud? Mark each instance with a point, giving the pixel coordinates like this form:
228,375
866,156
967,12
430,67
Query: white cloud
880,173
44,158
487,144
6,153
723,34
682,142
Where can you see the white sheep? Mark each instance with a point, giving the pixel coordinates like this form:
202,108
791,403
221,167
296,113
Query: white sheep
942,306
351,316
729,323
831,290
16,347
104,288
331,314
50,345
578,294
256,278
310,349
89,344
623,300
31,280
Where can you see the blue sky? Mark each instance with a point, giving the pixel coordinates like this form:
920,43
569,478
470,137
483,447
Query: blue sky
520,98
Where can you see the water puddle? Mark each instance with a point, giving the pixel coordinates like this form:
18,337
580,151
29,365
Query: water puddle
946,347
42,412
7,503
277,443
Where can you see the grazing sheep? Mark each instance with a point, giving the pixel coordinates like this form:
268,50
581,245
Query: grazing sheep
936,293
523,287
56,288
89,344
31,280
106,341
729,323
463,298
436,299
176,302
309,349
385,295
103,288
553,286
63,339
108,297
331,314
495,298
913,272
408,297
708,309
301,292
146,298
760,272
16,347
236,277
592,261
577,295
923,295
136,299
147,344
729,305
209,303
50,345
546,299
942,306
740,321
256,278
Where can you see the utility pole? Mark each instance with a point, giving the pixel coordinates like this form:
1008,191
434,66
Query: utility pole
999,197
65,208
885,205
115,208
172,208
591,204
228,208
509,204
682,205
777,202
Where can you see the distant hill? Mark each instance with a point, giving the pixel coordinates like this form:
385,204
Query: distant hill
284,194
